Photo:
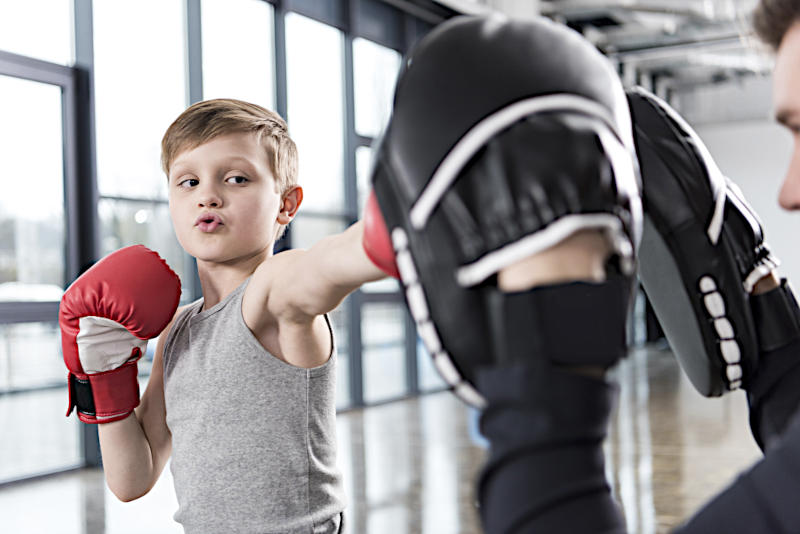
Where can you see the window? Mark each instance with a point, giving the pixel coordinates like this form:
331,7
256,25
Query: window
428,377
315,110
383,351
124,222
37,438
27,31
32,246
33,264
375,69
364,156
238,51
140,90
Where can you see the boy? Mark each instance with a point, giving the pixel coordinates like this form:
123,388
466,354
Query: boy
242,385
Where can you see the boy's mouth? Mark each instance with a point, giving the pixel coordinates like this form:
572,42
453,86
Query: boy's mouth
208,222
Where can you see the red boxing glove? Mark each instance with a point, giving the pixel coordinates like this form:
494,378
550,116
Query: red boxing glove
377,243
106,317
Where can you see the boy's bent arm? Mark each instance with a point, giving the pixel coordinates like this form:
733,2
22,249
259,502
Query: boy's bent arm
316,281
136,448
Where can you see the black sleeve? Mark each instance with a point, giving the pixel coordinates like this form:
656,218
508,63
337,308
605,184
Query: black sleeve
764,499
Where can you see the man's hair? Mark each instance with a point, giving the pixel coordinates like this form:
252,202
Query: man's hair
206,120
773,18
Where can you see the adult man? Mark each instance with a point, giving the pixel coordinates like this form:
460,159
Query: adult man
459,228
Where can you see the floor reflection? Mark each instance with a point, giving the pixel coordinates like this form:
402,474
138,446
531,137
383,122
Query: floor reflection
670,449
410,466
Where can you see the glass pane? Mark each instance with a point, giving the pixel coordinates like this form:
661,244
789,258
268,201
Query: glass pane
428,377
30,356
363,170
43,439
307,230
26,30
238,51
387,285
383,350
124,223
314,81
375,69
140,89
338,318
32,181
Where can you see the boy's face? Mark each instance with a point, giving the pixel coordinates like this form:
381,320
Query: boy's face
223,199
786,99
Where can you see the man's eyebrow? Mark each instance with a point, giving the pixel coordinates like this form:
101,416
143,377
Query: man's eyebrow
785,116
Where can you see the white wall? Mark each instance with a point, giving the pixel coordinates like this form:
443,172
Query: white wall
735,121
754,154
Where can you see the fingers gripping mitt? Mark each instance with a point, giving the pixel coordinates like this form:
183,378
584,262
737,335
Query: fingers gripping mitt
702,249
506,138
106,317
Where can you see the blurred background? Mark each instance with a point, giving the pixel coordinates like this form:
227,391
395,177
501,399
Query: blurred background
87,89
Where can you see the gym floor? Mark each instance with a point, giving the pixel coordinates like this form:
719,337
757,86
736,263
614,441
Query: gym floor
409,465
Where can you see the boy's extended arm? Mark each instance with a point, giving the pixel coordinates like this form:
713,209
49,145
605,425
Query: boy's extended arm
315,281
136,448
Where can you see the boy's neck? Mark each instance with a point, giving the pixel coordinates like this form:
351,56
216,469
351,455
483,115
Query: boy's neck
218,280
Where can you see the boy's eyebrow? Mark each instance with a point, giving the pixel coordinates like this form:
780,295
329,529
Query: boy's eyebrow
179,167
239,160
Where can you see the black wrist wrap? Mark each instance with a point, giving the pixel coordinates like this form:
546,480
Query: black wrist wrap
577,323
776,317
774,391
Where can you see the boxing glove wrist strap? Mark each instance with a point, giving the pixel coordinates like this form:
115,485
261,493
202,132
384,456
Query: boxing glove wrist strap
775,315
105,397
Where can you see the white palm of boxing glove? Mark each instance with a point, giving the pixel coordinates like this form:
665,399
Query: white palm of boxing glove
104,345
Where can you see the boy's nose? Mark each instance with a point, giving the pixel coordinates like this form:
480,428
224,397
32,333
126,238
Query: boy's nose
210,200
789,195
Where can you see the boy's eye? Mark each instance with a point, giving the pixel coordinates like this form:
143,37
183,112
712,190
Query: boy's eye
189,182
236,180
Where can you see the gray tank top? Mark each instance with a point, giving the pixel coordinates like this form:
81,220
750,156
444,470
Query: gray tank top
254,438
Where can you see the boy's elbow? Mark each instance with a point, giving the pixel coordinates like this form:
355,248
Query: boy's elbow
128,496
127,493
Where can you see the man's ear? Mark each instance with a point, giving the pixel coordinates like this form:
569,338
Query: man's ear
289,205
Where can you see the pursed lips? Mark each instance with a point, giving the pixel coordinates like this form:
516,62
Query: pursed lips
208,222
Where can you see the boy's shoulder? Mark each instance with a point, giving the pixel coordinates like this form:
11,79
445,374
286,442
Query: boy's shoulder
273,285
274,269
275,310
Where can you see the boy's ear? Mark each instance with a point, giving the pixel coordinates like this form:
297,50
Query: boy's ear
291,202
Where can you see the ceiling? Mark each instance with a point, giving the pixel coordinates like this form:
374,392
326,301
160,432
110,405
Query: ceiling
671,45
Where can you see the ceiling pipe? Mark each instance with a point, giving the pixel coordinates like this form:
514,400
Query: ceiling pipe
680,49
565,7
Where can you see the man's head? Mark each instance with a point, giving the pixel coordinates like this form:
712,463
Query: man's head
773,18
232,178
777,23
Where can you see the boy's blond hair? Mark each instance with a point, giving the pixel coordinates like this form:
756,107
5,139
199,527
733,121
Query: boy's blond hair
208,119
